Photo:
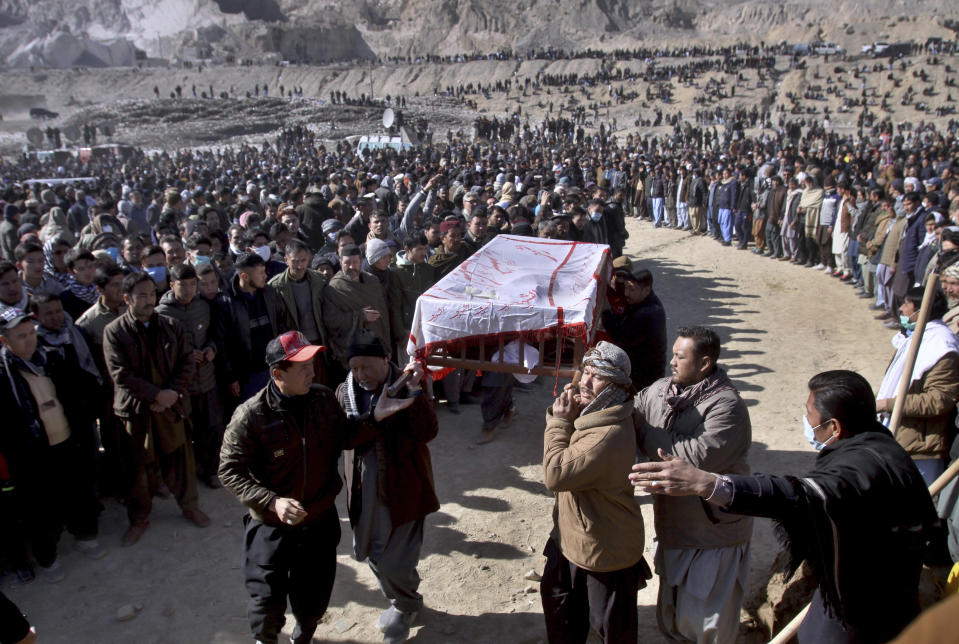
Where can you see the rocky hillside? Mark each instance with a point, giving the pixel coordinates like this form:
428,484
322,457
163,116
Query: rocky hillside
89,33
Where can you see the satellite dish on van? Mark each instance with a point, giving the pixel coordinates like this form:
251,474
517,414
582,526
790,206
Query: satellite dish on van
388,117
35,136
72,132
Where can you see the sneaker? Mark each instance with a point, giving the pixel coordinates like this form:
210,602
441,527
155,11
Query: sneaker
197,517
385,619
397,628
133,533
818,267
827,270
53,574
91,548
891,324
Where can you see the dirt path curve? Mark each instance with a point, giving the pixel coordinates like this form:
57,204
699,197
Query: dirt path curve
779,324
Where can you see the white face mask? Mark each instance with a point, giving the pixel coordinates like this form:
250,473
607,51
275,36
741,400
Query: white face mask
264,252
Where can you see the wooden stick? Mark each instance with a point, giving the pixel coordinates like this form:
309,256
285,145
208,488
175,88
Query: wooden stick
944,478
916,339
790,629
787,633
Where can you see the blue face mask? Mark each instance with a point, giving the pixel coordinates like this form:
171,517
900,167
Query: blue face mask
114,253
200,260
596,216
158,273
810,433
331,237
907,326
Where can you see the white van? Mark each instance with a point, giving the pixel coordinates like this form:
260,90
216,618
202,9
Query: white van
381,141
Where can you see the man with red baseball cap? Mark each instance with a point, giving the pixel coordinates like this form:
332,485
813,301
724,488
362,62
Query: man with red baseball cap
279,457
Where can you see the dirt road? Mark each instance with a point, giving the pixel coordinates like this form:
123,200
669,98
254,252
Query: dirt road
779,323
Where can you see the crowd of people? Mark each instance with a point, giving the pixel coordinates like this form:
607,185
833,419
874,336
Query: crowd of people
142,311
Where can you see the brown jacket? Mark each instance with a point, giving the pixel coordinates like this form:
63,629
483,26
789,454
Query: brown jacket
873,245
925,415
407,485
890,249
596,519
276,448
129,347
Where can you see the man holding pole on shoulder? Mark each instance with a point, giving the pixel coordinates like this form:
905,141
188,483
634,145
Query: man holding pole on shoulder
933,387
859,518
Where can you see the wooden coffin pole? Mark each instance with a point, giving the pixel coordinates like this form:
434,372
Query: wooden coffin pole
789,631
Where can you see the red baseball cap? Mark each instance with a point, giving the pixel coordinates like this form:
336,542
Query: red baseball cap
291,346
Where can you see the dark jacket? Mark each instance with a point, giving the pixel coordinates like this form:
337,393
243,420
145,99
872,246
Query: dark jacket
640,331
238,340
776,203
657,186
745,198
445,263
615,220
313,212
408,283
697,193
863,500
129,347
726,193
408,485
287,448
23,442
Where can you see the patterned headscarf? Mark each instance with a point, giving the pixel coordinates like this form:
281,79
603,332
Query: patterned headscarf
611,363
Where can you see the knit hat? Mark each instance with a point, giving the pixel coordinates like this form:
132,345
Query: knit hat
952,271
610,362
376,249
366,343
331,225
448,225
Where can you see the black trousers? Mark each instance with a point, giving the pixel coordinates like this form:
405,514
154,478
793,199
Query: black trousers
207,416
295,562
575,599
61,495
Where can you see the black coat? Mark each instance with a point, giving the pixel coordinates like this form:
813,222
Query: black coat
238,340
640,331
860,518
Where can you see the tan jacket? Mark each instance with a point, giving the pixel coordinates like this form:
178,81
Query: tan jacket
873,245
925,415
890,249
596,519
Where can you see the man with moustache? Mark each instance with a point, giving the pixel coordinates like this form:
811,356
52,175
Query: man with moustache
702,556
150,362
